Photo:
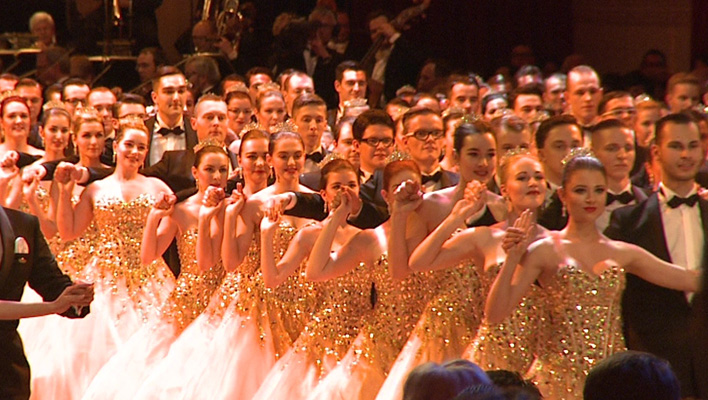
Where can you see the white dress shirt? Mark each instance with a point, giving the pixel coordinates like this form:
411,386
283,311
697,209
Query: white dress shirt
162,143
604,219
683,230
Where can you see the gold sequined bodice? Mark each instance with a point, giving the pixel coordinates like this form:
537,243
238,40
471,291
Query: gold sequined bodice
120,232
453,314
345,301
397,310
194,287
584,327
512,344
291,304
243,287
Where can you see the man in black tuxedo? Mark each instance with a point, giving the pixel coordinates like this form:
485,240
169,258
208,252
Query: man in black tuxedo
350,84
25,259
424,137
310,117
671,224
168,129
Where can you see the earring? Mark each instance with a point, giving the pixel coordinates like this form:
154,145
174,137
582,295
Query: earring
196,182
326,208
509,206
114,158
239,174
564,212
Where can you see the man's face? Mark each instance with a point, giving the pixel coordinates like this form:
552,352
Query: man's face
553,95
299,84
44,30
527,107
494,108
203,38
679,153
683,96
255,82
210,120
428,150
352,86
465,97
75,96
623,109
583,96
427,80
374,157
171,95
614,147
132,110
345,145
508,139
377,27
33,97
103,103
558,144
311,122
146,66
198,81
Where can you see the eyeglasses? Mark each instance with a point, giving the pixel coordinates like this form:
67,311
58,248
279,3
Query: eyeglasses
422,134
374,141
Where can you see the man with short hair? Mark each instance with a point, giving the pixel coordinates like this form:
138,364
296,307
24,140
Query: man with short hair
683,92
618,105
555,138
74,94
296,84
148,62
424,136
463,93
310,117
168,129
257,77
527,102
350,84
203,74
8,82
102,99
583,94
554,94
613,145
31,91
670,224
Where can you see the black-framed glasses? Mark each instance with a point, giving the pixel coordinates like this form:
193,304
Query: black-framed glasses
422,134
374,141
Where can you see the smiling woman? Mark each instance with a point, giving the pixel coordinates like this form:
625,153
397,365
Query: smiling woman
16,126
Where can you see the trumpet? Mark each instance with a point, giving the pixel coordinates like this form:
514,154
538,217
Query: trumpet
227,17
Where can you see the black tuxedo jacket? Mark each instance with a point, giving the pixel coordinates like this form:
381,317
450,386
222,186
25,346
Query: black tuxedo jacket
402,67
656,319
189,134
39,269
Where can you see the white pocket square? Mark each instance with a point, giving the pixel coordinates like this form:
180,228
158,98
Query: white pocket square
21,246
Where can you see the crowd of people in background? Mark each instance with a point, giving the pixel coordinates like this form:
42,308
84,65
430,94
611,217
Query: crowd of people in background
300,220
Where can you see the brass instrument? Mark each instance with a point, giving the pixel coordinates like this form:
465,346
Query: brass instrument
227,17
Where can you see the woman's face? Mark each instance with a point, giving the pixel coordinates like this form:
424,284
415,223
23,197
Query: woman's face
213,170
132,148
336,182
56,133
584,195
525,186
288,159
272,112
478,157
240,112
90,140
16,121
254,160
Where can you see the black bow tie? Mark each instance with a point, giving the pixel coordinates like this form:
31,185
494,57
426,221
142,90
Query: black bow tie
432,178
166,131
689,201
317,157
624,198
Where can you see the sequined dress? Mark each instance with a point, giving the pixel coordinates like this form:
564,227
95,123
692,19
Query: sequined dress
585,326
513,344
446,327
151,343
127,295
325,340
383,334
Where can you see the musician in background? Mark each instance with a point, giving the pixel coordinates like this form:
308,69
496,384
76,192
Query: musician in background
42,25
397,62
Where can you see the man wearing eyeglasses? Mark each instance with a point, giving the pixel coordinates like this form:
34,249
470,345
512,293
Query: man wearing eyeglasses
424,136
74,94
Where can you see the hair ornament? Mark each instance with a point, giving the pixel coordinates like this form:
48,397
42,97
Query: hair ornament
577,152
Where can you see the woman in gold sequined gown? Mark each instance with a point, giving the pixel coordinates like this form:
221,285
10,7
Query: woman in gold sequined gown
193,288
343,300
128,293
464,265
581,274
397,304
